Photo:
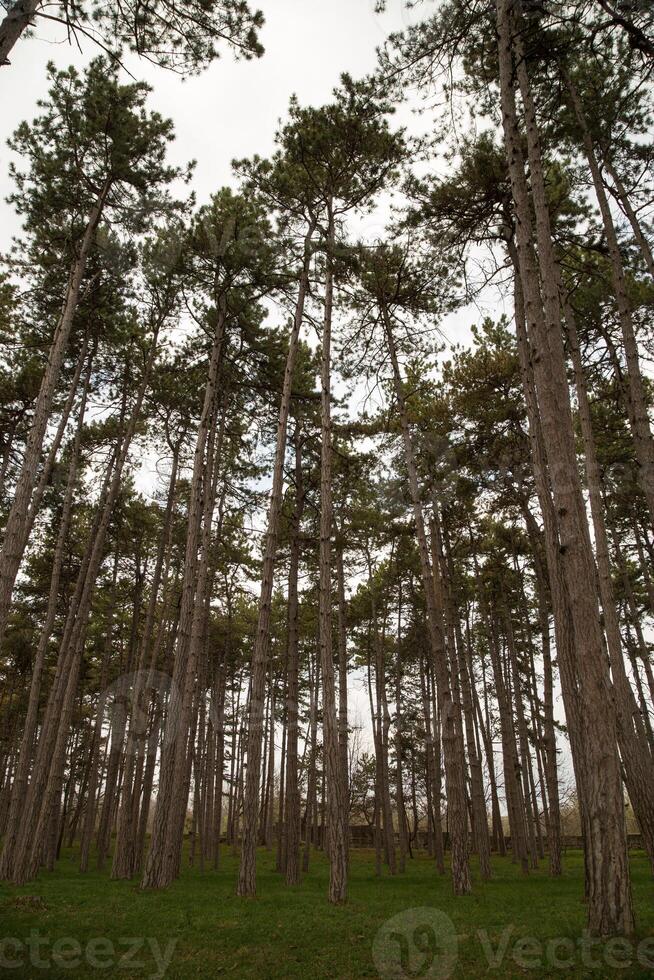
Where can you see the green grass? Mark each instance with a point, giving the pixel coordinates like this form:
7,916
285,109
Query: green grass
294,933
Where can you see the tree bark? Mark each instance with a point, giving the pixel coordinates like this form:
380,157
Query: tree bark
162,862
46,776
452,736
637,398
292,794
610,908
620,192
638,764
342,668
478,798
19,786
18,18
123,865
15,539
247,871
337,828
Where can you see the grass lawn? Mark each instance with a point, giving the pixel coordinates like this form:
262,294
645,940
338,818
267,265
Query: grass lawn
72,925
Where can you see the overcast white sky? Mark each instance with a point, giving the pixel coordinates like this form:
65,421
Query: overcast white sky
233,108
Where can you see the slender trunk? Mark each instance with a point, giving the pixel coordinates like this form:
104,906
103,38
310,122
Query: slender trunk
512,769
498,830
479,816
45,783
432,774
342,668
48,465
270,785
19,787
196,655
125,852
310,823
452,735
523,737
610,908
218,719
292,794
336,817
163,857
19,16
118,728
637,760
637,398
622,197
96,736
247,871
549,735
403,834
280,858
14,541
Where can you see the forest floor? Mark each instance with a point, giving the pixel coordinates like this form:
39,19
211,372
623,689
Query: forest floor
71,925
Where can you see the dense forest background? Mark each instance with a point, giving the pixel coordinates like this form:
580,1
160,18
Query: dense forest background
367,429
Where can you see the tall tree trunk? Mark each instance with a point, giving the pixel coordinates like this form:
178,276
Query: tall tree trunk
45,783
337,828
163,857
196,653
247,871
125,851
292,794
498,829
50,460
430,774
622,197
270,783
638,763
219,731
637,398
310,823
402,826
511,762
523,738
342,668
118,728
14,541
445,565
452,734
96,735
549,735
19,16
610,908
20,783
